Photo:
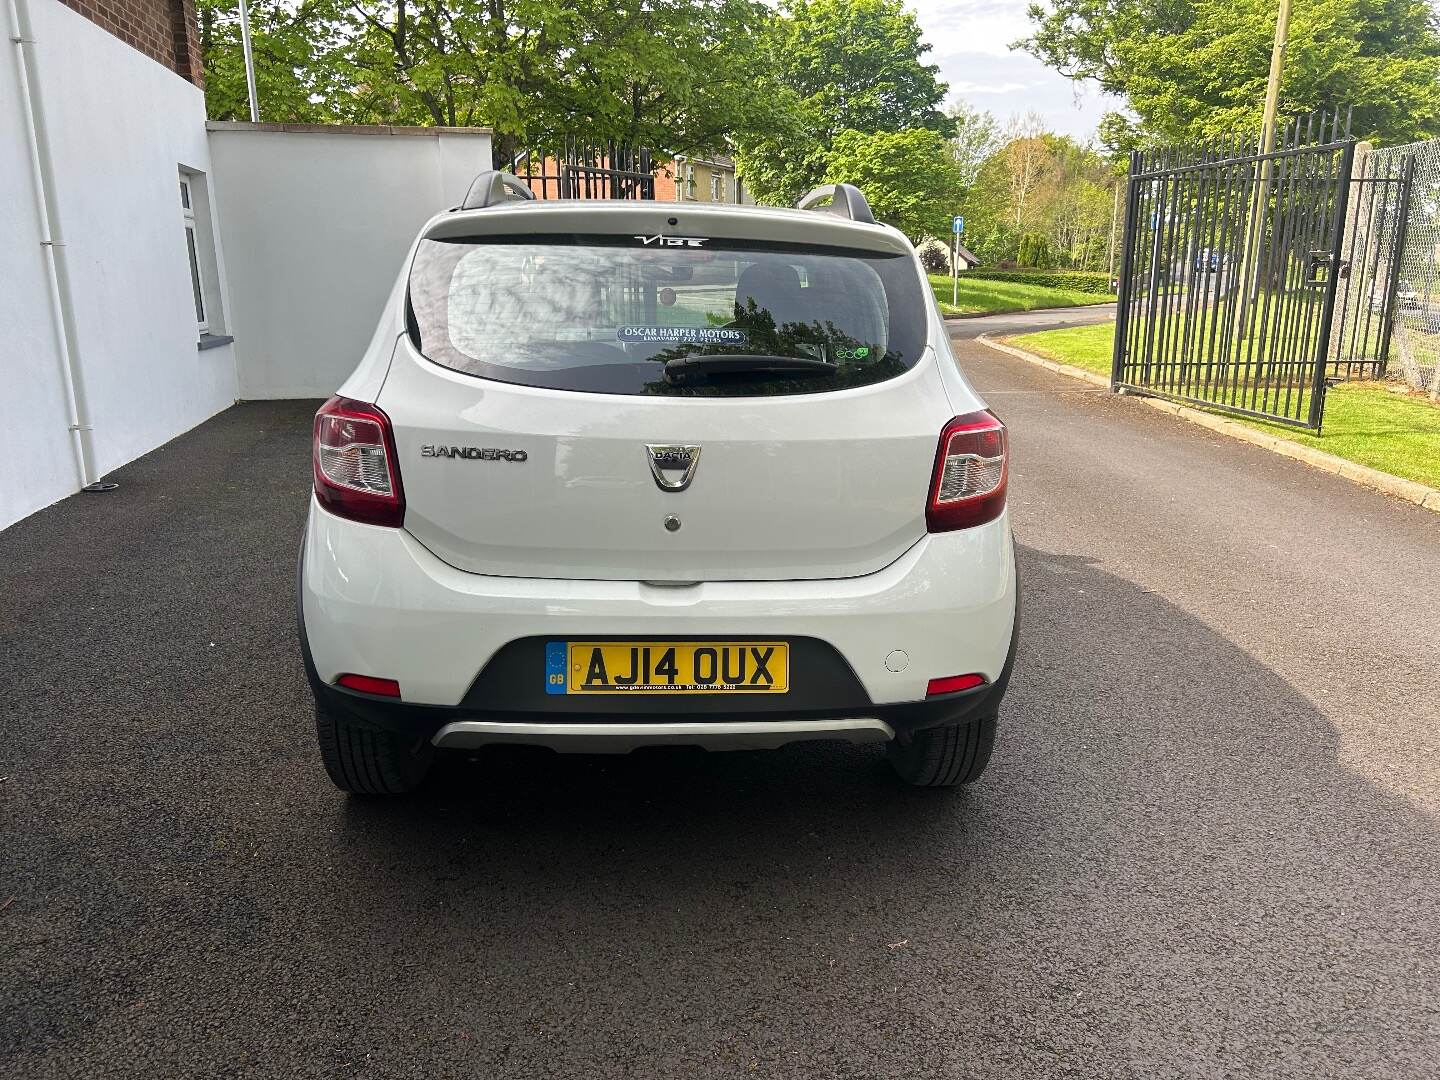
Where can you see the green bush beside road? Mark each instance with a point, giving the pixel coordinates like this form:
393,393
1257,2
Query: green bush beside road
1086,281
1364,422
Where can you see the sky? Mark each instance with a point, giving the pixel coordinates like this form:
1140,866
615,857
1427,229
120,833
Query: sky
970,42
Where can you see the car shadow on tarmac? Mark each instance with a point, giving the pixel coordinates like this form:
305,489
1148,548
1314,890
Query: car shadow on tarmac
1166,863
1167,871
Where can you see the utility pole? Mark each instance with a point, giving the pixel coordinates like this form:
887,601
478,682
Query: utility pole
250,61
1250,271
1272,88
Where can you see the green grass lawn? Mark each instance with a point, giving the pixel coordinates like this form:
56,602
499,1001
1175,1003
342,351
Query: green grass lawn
1364,422
977,295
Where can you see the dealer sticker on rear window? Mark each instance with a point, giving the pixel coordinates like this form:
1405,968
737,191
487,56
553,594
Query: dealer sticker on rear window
683,335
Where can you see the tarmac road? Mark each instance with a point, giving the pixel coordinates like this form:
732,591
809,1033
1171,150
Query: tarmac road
1208,844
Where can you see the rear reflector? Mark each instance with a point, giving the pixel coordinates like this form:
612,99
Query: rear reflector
356,475
369,684
953,683
971,472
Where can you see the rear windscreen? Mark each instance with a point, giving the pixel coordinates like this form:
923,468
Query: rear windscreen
617,315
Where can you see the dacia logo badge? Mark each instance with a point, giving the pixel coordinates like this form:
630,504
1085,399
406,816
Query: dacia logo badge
668,461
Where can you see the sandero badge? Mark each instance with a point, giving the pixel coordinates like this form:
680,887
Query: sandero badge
474,453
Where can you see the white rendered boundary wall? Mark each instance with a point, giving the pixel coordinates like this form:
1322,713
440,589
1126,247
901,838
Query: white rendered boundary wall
315,223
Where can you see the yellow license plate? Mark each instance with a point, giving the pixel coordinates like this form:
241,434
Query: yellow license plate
667,667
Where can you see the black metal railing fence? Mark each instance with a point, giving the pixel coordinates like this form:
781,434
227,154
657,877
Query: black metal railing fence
578,169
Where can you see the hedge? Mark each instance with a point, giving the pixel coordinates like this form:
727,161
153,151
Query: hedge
1085,281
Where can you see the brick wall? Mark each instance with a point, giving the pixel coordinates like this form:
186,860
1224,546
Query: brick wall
164,30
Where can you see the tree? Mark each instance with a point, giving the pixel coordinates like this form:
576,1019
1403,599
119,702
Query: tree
909,177
1190,69
297,78
1027,157
841,65
1041,199
679,76
976,137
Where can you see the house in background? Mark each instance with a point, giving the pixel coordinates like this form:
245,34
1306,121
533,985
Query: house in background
700,179
935,248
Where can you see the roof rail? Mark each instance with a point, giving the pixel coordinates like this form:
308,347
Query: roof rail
493,187
845,201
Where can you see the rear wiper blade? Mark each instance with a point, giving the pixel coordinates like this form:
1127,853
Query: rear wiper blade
746,364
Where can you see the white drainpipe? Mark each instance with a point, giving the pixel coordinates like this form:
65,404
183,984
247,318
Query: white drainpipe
52,242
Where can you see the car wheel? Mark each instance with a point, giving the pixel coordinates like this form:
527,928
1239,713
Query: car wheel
945,756
366,760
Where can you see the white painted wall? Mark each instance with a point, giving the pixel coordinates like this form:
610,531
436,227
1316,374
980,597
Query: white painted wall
314,224
39,466
121,128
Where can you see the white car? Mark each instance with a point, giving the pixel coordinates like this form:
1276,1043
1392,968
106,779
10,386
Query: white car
625,474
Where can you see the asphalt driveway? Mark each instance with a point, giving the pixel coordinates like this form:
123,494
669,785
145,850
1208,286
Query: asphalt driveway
1208,844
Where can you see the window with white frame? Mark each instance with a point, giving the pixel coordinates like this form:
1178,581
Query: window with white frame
192,247
689,180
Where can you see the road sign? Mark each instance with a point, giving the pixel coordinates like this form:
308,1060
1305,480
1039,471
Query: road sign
957,225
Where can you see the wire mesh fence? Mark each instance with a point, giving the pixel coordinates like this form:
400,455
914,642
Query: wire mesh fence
1389,237
1369,296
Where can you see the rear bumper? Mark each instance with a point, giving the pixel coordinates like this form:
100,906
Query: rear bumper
467,648
468,727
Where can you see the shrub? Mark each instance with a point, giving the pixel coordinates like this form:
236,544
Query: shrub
1085,281
935,259
1034,250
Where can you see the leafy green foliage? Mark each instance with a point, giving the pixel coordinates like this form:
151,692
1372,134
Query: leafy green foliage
841,65
1034,251
1198,68
976,136
678,76
298,77
1041,200
908,177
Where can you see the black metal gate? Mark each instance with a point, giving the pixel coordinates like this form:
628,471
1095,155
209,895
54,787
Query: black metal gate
1231,269
577,169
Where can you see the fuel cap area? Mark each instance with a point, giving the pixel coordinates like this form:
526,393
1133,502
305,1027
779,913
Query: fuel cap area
898,660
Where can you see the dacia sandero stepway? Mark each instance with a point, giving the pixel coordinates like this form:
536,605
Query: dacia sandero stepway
625,474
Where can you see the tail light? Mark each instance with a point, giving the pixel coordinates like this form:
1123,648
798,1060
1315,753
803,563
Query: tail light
369,684
971,471
356,475
953,684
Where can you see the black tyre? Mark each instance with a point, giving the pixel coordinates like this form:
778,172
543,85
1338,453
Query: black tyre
945,756
365,760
